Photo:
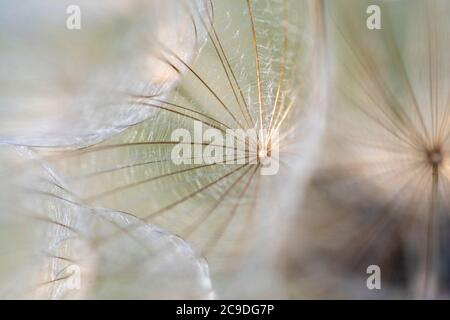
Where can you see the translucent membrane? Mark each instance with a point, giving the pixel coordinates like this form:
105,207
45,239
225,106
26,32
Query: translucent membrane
54,247
261,68
62,87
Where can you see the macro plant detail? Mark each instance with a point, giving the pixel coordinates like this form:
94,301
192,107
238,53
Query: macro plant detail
209,149
388,177
269,84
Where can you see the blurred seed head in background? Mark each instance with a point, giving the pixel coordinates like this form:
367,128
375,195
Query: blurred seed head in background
93,206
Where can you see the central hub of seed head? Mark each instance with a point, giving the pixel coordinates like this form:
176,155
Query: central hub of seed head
263,151
263,157
435,157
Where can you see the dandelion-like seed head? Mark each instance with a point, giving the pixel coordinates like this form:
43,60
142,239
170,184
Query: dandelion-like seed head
389,163
245,66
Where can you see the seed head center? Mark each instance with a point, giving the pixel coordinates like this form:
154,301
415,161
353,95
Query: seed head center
435,157
263,157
